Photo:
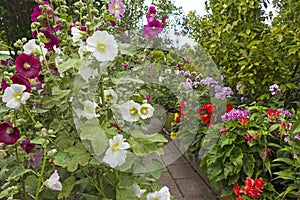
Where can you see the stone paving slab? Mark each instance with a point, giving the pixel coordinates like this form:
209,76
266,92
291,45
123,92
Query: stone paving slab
184,182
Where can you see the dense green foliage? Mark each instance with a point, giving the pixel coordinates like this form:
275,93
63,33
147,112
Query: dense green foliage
247,50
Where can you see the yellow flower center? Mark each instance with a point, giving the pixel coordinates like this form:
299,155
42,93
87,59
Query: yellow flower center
153,27
89,109
101,47
26,66
9,130
116,7
17,96
109,97
115,147
144,110
133,111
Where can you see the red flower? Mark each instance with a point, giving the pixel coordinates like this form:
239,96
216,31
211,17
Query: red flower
244,121
27,146
52,41
273,113
259,183
28,65
240,198
223,131
229,107
248,137
37,11
8,133
236,189
285,125
206,113
205,118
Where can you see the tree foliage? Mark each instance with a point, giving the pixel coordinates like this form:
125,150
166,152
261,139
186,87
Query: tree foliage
247,50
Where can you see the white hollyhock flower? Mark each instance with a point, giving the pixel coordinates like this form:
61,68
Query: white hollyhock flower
14,96
31,47
116,153
110,96
53,182
76,34
81,49
89,110
86,72
162,194
58,59
102,45
137,190
130,111
146,111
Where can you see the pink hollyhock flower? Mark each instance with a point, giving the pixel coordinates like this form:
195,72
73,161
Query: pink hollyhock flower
223,131
153,28
28,65
117,8
151,14
36,159
8,133
52,41
27,146
37,11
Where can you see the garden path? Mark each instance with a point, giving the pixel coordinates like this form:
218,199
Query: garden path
182,178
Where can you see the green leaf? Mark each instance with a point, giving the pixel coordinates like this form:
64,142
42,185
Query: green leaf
93,133
274,127
79,156
144,148
285,160
3,109
68,186
288,190
125,180
69,64
62,159
122,194
249,164
236,157
126,49
286,174
18,172
138,135
295,129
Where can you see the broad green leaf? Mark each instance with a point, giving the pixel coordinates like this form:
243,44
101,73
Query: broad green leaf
122,194
68,185
70,63
295,129
138,135
126,49
92,132
3,109
18,172
144,148
249,164
274,127
125,180
237,157
79,156
62,159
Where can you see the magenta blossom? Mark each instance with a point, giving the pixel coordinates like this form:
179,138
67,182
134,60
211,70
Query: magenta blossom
151,14
8,133
5,62
27,146
28,65
117,8
52,41
36,159
153,28
17,79
37,11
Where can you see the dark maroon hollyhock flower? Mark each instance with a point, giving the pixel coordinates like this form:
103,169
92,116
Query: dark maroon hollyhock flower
5,62
152,29
27,146
151,14
36,159
37,11
19,79
52,41
39,80
4,84
8,133
28,65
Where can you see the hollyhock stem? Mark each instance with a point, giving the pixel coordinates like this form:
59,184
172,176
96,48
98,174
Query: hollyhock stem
94,183
88,3
29,114
38,189
102,92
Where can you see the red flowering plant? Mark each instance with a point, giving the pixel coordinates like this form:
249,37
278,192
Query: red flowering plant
251,143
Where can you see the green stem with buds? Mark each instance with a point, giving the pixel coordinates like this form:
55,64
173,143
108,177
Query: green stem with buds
38,190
